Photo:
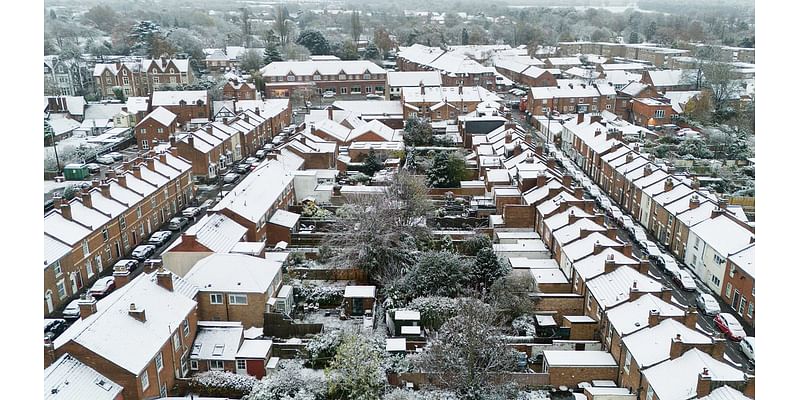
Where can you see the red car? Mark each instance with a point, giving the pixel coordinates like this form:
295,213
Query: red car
728,324
102,287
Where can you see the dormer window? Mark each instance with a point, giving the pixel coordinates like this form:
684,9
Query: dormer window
317,77
124,72
342,77
367,76
290,78
172,70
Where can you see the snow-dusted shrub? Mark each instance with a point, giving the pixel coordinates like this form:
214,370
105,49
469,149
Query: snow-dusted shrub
435,310
323,347
288,382
222,383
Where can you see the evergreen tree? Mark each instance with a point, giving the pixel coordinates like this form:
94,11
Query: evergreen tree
438,172
272,54
371,164
52,14
372,52
456,169
464,37
487,268
314,41
650,32
633,38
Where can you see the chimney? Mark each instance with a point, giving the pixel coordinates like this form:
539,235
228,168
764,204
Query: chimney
611,233
330,113
551,192
190,140
246,118
668,184
86,199
629,157
580,118
597,132
595,118
137,171
717,212
541,180
598,248
648,170
164,279
571,218
610,265
421,88
653,318
209,129
151,163
676,347
49,352
171,140
95,182
66,210
538,150
137,313
690,317
121,276
258,111
57,201
551,163
666,294
722,203
634,292
599,219
163,62
460,88
644,266
105,189
695,184
87,306
703,383
694,202
750,386
627,249
122,180
578,192
124,109
566,179
718,349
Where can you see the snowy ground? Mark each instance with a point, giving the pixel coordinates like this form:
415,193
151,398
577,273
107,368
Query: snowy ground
50,186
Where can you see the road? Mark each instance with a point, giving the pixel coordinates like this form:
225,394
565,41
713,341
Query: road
685,298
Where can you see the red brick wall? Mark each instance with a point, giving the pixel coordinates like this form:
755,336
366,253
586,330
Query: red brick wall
571,376
744,284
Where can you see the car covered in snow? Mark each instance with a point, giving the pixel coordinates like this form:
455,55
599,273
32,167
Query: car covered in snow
730,326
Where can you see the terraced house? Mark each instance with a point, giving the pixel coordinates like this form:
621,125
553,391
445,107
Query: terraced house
340,77
140,77
89,233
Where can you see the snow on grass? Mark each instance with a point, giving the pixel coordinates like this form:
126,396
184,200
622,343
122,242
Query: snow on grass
535,395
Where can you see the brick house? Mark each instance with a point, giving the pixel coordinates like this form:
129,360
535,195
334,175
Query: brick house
443,103
626,94
86,383
456,68
213,233
127,75
571,98
340,77
630,317
239,90
270,187
397,80
186,104
692,375
218,61
64,77
570,367
740,283
157,127
608,290
131,338
164,73
670,79
235,287
525,73
221,346
651,112
91,232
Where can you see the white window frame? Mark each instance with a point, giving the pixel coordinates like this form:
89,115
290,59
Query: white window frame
145,379
659,114
89,269
61,287
159,362
234,299
728,290
176,341
627,365
194,365
243,367
85,247
57,268
216,365
213,296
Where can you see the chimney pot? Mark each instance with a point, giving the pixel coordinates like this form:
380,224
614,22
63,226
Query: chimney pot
164,279
653,318
66,210
121,276
86,199
87,306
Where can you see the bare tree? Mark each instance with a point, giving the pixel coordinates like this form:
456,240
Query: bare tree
467,351
282,24
382,237
355,26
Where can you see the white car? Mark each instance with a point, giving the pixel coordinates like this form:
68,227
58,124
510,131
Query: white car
594,191
670,266
190,212
72,311
685,281
105,159
328,95
639,235
627,222
748,345
143,251
707,303
115,155
605,203
651,249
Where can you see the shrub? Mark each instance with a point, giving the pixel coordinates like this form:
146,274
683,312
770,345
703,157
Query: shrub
222,383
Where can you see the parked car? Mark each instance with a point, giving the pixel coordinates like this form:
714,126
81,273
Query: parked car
102,287
115,155
251,160
143,251
159,238
190,212
373,96
72,311
651,249
605,203
594,191
54,327
707,304
748,346
684,279
127,263
241,168
639,235
268,147
178,223
616,213
670,266
231,177
731,327
627,223
105,159
328,94
206,205
93,167
261,153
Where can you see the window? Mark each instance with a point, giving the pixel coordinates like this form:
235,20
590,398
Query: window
159,130
719,260
659,114
715,280
143,130
696,243
193,365
61,289
155,79
240,299
290,78
98,261
594,99
85,247
105,234
750,310
176,342
145,380
572,100
343,90
694,260
368,89
185,327
594,107
216,298
742,303
355,89
159,362
649,393
125,80
580,100
122,224
241,364
141,230
728,290
57,268
216,365
139,212
317,77
163,390
145,145
108,80
172,70
627,361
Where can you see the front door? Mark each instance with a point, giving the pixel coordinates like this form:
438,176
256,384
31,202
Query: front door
358,306
148,226
736,297
48,297
73,283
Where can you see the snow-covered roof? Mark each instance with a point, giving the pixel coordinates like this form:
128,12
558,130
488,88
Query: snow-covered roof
123,339
594,265
632,316
284,218
670,77
174,97
651,345
406,315
549,275
259,190
532,263
251,248
161,115
677,379
63,125
182,65
723,235
746,260
396,344
258,349
368,109
330,67
70,379
413,78
725,393
54,250
572,358
217,342
64,230
570,232
359,291
583,247
234,273
217,232
615,287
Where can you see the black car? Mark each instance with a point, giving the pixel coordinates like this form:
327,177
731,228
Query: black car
54,327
